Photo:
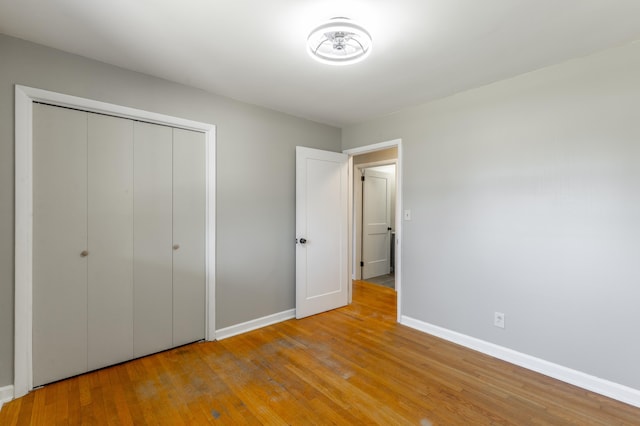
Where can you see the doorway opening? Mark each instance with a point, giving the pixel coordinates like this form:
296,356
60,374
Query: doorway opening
375,225
375,228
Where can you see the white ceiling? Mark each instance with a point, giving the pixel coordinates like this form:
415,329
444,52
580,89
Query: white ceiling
254,50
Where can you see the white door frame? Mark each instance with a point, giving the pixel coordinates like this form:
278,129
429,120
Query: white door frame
358,209
24,99
398,265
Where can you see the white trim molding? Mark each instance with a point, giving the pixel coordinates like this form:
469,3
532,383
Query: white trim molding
591,383
6,394
24,99
373,147
255,324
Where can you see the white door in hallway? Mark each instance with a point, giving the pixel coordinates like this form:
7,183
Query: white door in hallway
322,274
376,223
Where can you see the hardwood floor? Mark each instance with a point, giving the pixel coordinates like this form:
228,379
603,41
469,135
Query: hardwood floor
353,365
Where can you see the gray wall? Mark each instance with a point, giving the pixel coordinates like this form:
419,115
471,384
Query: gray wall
255,176
525,199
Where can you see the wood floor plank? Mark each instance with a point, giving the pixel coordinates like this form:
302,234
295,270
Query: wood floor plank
353,365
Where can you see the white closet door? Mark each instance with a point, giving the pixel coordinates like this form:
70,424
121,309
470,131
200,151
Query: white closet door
153,288
188,236
110,206
59,237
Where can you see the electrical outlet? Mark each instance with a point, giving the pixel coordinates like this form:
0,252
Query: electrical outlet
498,319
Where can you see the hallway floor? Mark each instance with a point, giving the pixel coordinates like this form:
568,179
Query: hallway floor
388,280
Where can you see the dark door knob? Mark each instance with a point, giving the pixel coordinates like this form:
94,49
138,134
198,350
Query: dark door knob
303,240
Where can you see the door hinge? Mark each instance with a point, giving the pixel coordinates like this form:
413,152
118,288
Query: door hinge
361,264
362,178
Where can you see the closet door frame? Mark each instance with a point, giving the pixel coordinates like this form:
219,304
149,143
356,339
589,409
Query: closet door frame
23,313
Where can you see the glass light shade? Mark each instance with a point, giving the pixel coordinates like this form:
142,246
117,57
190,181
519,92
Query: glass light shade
339,41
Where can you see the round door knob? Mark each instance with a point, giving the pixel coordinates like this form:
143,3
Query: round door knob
176,246
303,240
84,253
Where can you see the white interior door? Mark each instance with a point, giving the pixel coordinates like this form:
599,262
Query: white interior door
189,228
322,274
59,238
376,223
152,238
110,240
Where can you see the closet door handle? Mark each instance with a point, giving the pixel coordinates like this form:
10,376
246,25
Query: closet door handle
84,253
176,246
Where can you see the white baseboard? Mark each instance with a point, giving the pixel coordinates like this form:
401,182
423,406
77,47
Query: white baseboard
6,394
604,387
223,333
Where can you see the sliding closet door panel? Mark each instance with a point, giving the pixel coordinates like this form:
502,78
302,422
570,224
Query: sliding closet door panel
188,236
153,288
110,278
59,238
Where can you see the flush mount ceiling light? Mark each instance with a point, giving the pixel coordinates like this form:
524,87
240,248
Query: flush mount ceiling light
339,41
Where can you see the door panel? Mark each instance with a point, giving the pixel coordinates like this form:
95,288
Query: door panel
152,231
110,206
189,177
321,220
59,237
376,218
105,187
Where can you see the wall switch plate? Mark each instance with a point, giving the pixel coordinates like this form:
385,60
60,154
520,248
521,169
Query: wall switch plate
498,319
407,215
